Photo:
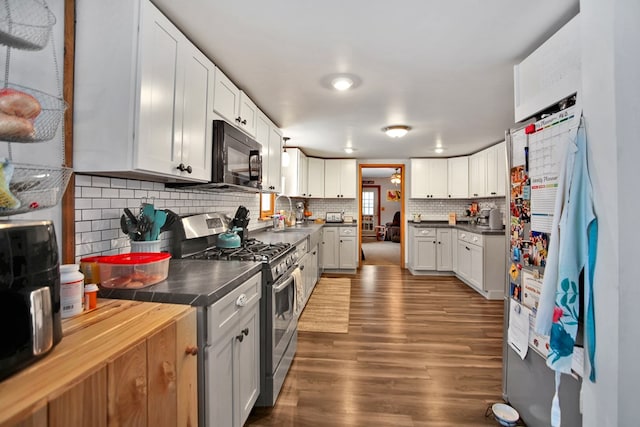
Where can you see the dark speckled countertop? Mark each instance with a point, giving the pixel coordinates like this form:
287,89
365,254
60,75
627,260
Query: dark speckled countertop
193,282
460,226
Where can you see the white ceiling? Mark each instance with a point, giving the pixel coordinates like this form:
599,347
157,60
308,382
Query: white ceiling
443,67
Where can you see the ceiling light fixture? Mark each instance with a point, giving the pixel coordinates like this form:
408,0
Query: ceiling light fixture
349,150
396,177
342,83
396,131
285,155
439,150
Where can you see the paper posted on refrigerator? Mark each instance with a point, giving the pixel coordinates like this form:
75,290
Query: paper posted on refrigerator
518,332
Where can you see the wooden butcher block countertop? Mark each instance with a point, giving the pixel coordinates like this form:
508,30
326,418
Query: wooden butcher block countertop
90,342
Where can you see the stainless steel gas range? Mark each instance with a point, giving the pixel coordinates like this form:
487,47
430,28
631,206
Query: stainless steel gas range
196,238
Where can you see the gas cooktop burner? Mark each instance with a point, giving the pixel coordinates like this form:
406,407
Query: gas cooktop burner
253,250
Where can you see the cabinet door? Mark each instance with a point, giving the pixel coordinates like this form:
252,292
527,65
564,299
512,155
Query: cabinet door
330,248
437,178
85,404
476,264
348,178
458,177
162,376
348,252
454,250
248,355
496,170
226,97
159,141
248,115
444,253
197,123
303,170
464,260
332,172
219,382
127,388
418,189
187,355
315,177
425,253
263,130
275,159
477,174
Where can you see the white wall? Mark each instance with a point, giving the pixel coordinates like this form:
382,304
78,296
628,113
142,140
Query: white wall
611,101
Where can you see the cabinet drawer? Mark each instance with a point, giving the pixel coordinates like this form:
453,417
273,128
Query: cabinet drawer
424,232
347,231
473,238
226,312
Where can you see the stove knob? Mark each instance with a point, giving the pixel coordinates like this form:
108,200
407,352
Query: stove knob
277,270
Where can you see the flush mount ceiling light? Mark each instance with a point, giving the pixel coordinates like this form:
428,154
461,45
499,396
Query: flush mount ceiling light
396,131
342,83
396,177
439,150
349,150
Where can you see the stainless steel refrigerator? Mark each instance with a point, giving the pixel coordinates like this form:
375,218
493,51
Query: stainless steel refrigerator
534,153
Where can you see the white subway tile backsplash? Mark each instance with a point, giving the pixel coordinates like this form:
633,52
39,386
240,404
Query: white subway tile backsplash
82,181
118,183
99,181
100,203
91,192
127,194
89,214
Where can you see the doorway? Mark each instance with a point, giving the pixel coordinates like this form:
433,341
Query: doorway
381,202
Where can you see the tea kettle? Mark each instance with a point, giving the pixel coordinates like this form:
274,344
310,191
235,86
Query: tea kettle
229,239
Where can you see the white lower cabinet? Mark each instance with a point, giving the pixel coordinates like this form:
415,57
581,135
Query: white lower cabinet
444,253
233,359
481,263
309,271
339,248
430,249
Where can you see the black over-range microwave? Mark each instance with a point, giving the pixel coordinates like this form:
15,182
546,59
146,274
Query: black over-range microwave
237,159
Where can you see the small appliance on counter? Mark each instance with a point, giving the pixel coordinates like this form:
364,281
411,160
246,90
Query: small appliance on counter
482,219
299,212
334,217
29,293
495,219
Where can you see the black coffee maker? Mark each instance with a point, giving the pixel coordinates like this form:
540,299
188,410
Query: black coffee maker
29,293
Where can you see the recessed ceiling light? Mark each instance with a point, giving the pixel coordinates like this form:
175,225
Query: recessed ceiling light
439,150
396,131
349,150
342,83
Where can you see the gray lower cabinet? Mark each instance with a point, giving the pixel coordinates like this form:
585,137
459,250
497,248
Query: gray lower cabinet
481,264
234,356
444,252
339,248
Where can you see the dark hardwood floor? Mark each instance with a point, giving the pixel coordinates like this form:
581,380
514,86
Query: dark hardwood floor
420,351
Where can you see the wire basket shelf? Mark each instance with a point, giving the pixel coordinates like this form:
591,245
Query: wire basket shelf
45,125
33,187
25,24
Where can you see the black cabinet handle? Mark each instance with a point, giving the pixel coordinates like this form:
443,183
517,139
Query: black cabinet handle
244,122
242,334
238,119
181,167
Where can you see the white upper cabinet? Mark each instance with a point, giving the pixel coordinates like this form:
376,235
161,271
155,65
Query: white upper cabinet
269,136
428,178
295,174
458,177
315,178
496,170
151,119
340,176
478,174
234,105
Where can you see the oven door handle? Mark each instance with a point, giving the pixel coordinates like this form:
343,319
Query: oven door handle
284,284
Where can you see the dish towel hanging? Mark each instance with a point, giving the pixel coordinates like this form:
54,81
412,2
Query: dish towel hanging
576,228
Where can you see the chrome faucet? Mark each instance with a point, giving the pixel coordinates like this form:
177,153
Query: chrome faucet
275,203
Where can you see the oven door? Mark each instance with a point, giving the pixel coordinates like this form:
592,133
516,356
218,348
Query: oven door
284,321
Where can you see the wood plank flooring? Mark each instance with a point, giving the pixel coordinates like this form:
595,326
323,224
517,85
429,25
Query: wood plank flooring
421,351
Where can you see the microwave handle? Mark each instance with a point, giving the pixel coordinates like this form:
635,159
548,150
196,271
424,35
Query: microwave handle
253,155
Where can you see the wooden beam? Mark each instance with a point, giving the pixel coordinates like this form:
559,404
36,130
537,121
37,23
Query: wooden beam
68,199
